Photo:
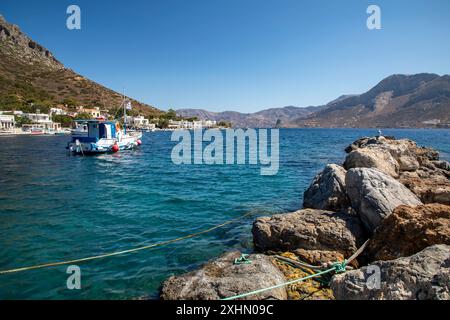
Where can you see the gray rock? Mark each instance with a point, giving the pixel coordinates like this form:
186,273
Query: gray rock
422,276
327,191
309,229
221,278
374,195
375,157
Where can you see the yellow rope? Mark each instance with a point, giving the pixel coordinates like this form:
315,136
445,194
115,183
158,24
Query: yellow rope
151,246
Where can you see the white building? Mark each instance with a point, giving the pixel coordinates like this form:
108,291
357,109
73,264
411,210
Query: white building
38,117
58,111
140,122
192,125
175,124
41,121
7,122
209,123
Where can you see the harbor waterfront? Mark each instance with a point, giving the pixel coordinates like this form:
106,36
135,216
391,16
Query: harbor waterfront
54,207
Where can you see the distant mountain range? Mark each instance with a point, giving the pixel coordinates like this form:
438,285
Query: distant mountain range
261,119
29,73
420,100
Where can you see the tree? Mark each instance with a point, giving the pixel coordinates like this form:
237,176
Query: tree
20,121
10,102
224,124
83,116
171,115
70,102
66,121
163,123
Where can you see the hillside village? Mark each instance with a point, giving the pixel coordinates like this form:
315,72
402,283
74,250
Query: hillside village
60,119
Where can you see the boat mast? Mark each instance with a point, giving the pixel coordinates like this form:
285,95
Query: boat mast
124,113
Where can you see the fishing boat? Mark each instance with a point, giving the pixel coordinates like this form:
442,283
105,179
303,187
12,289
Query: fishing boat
104,137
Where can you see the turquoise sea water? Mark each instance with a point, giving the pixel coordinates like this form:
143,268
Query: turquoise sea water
54,207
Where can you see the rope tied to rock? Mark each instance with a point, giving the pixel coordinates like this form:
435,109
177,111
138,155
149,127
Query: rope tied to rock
337,267
340,267
242,260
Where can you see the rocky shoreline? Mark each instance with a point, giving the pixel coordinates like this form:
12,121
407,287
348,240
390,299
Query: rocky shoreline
390,195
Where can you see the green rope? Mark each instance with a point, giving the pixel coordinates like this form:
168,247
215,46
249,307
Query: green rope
337,267
340,267
280,285
242,260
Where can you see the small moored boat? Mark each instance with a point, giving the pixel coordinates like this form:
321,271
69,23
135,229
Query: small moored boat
104,137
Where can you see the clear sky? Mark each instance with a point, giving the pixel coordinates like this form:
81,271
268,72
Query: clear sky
242,55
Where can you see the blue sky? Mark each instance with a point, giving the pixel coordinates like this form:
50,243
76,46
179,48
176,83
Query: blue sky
242,55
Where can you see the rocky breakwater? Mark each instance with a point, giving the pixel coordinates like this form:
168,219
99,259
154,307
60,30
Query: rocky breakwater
391,192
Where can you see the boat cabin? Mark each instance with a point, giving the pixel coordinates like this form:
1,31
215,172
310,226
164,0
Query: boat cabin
99,130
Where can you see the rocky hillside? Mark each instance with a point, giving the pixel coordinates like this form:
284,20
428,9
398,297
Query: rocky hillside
421,100
268,118
29,73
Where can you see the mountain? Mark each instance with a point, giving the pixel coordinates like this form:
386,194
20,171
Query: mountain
420,100
30,74
268,118
399,101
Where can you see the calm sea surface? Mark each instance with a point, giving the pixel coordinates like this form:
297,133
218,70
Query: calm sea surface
55,207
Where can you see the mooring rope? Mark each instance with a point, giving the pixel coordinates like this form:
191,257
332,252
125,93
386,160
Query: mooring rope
338,267
279,285
147,247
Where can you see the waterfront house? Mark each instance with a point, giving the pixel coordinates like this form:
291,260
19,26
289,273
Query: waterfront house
191,125
41,121
7,122
140,122
92,112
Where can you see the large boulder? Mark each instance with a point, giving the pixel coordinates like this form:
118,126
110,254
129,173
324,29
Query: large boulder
309,229
409,230
327,191
430,187
423,276
221,278
418,168
401,155
373,157
374,195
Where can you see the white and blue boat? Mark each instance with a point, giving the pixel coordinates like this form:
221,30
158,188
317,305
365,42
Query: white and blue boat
104,137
